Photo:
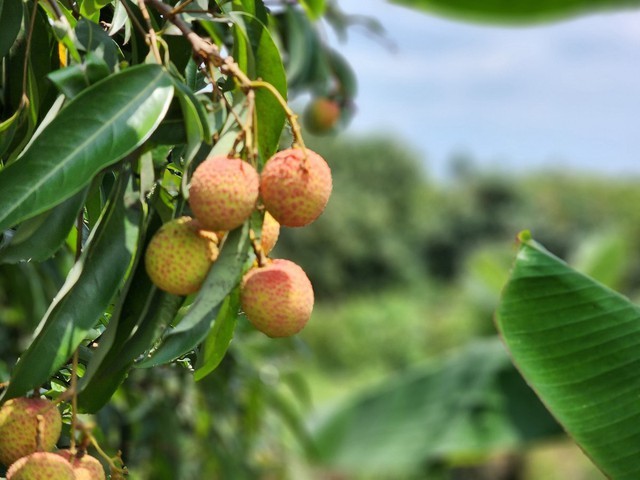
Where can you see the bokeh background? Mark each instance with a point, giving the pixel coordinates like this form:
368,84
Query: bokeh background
464,135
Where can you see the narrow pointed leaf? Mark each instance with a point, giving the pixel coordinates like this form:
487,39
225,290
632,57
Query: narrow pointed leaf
223,277
577,343
219,338
98,128
87,292
40,237
262,60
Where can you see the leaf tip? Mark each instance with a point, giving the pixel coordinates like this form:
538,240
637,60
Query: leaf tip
524,236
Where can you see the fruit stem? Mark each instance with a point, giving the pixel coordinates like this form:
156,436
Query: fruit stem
108,459
210,53
257,248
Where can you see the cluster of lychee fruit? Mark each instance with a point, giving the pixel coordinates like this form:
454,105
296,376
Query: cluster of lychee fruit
29,431
292,189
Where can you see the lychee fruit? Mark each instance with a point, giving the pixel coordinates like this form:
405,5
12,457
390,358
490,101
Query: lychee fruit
277,298
85,467
41,466
223,192
19,427
180,255
270,233
321,115
294,188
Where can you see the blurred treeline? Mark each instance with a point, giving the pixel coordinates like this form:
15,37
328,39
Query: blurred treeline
405,269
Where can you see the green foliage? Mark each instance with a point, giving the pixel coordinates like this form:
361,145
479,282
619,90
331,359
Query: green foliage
462,408
575,341
516,11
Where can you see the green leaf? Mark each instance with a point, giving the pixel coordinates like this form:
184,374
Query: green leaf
94,39
40,237
473,403
10,21
516,11
262,60
87,292
75,78
89,8
98,128
577,343
314,8
223,277
217,343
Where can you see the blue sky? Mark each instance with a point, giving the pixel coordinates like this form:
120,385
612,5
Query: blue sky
560,95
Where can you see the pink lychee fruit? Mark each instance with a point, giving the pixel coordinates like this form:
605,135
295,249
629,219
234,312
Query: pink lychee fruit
277,298
270,233
180,255
294,188
19,427
223,192
321,115
85,467
41,466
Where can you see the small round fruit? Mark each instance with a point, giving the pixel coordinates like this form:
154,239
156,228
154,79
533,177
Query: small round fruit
41,466
295,189
19,427
270,233
223,192
321,115
277,298
180,255
85,467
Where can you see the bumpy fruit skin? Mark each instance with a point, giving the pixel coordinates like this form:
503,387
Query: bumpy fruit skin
180,255
295,190
41,466
270,233
223,192
321,115
277,298
84,467
19,424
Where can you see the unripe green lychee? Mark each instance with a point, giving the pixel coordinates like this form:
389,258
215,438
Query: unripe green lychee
295,189
270,233
19,427
41,466
277,298
180,255
85,467
321,115
223,192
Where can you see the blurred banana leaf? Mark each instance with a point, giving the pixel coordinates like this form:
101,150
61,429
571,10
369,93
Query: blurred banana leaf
516,11
467,406
577,343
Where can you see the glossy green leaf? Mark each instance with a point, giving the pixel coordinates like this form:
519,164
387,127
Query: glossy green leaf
10,21
40,237
577,343
263,61
96,129
94,39
87,292
223,277
91,7
473,403
516,11
219,338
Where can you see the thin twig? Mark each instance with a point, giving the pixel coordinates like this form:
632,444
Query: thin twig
133,17
153,41
27,53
